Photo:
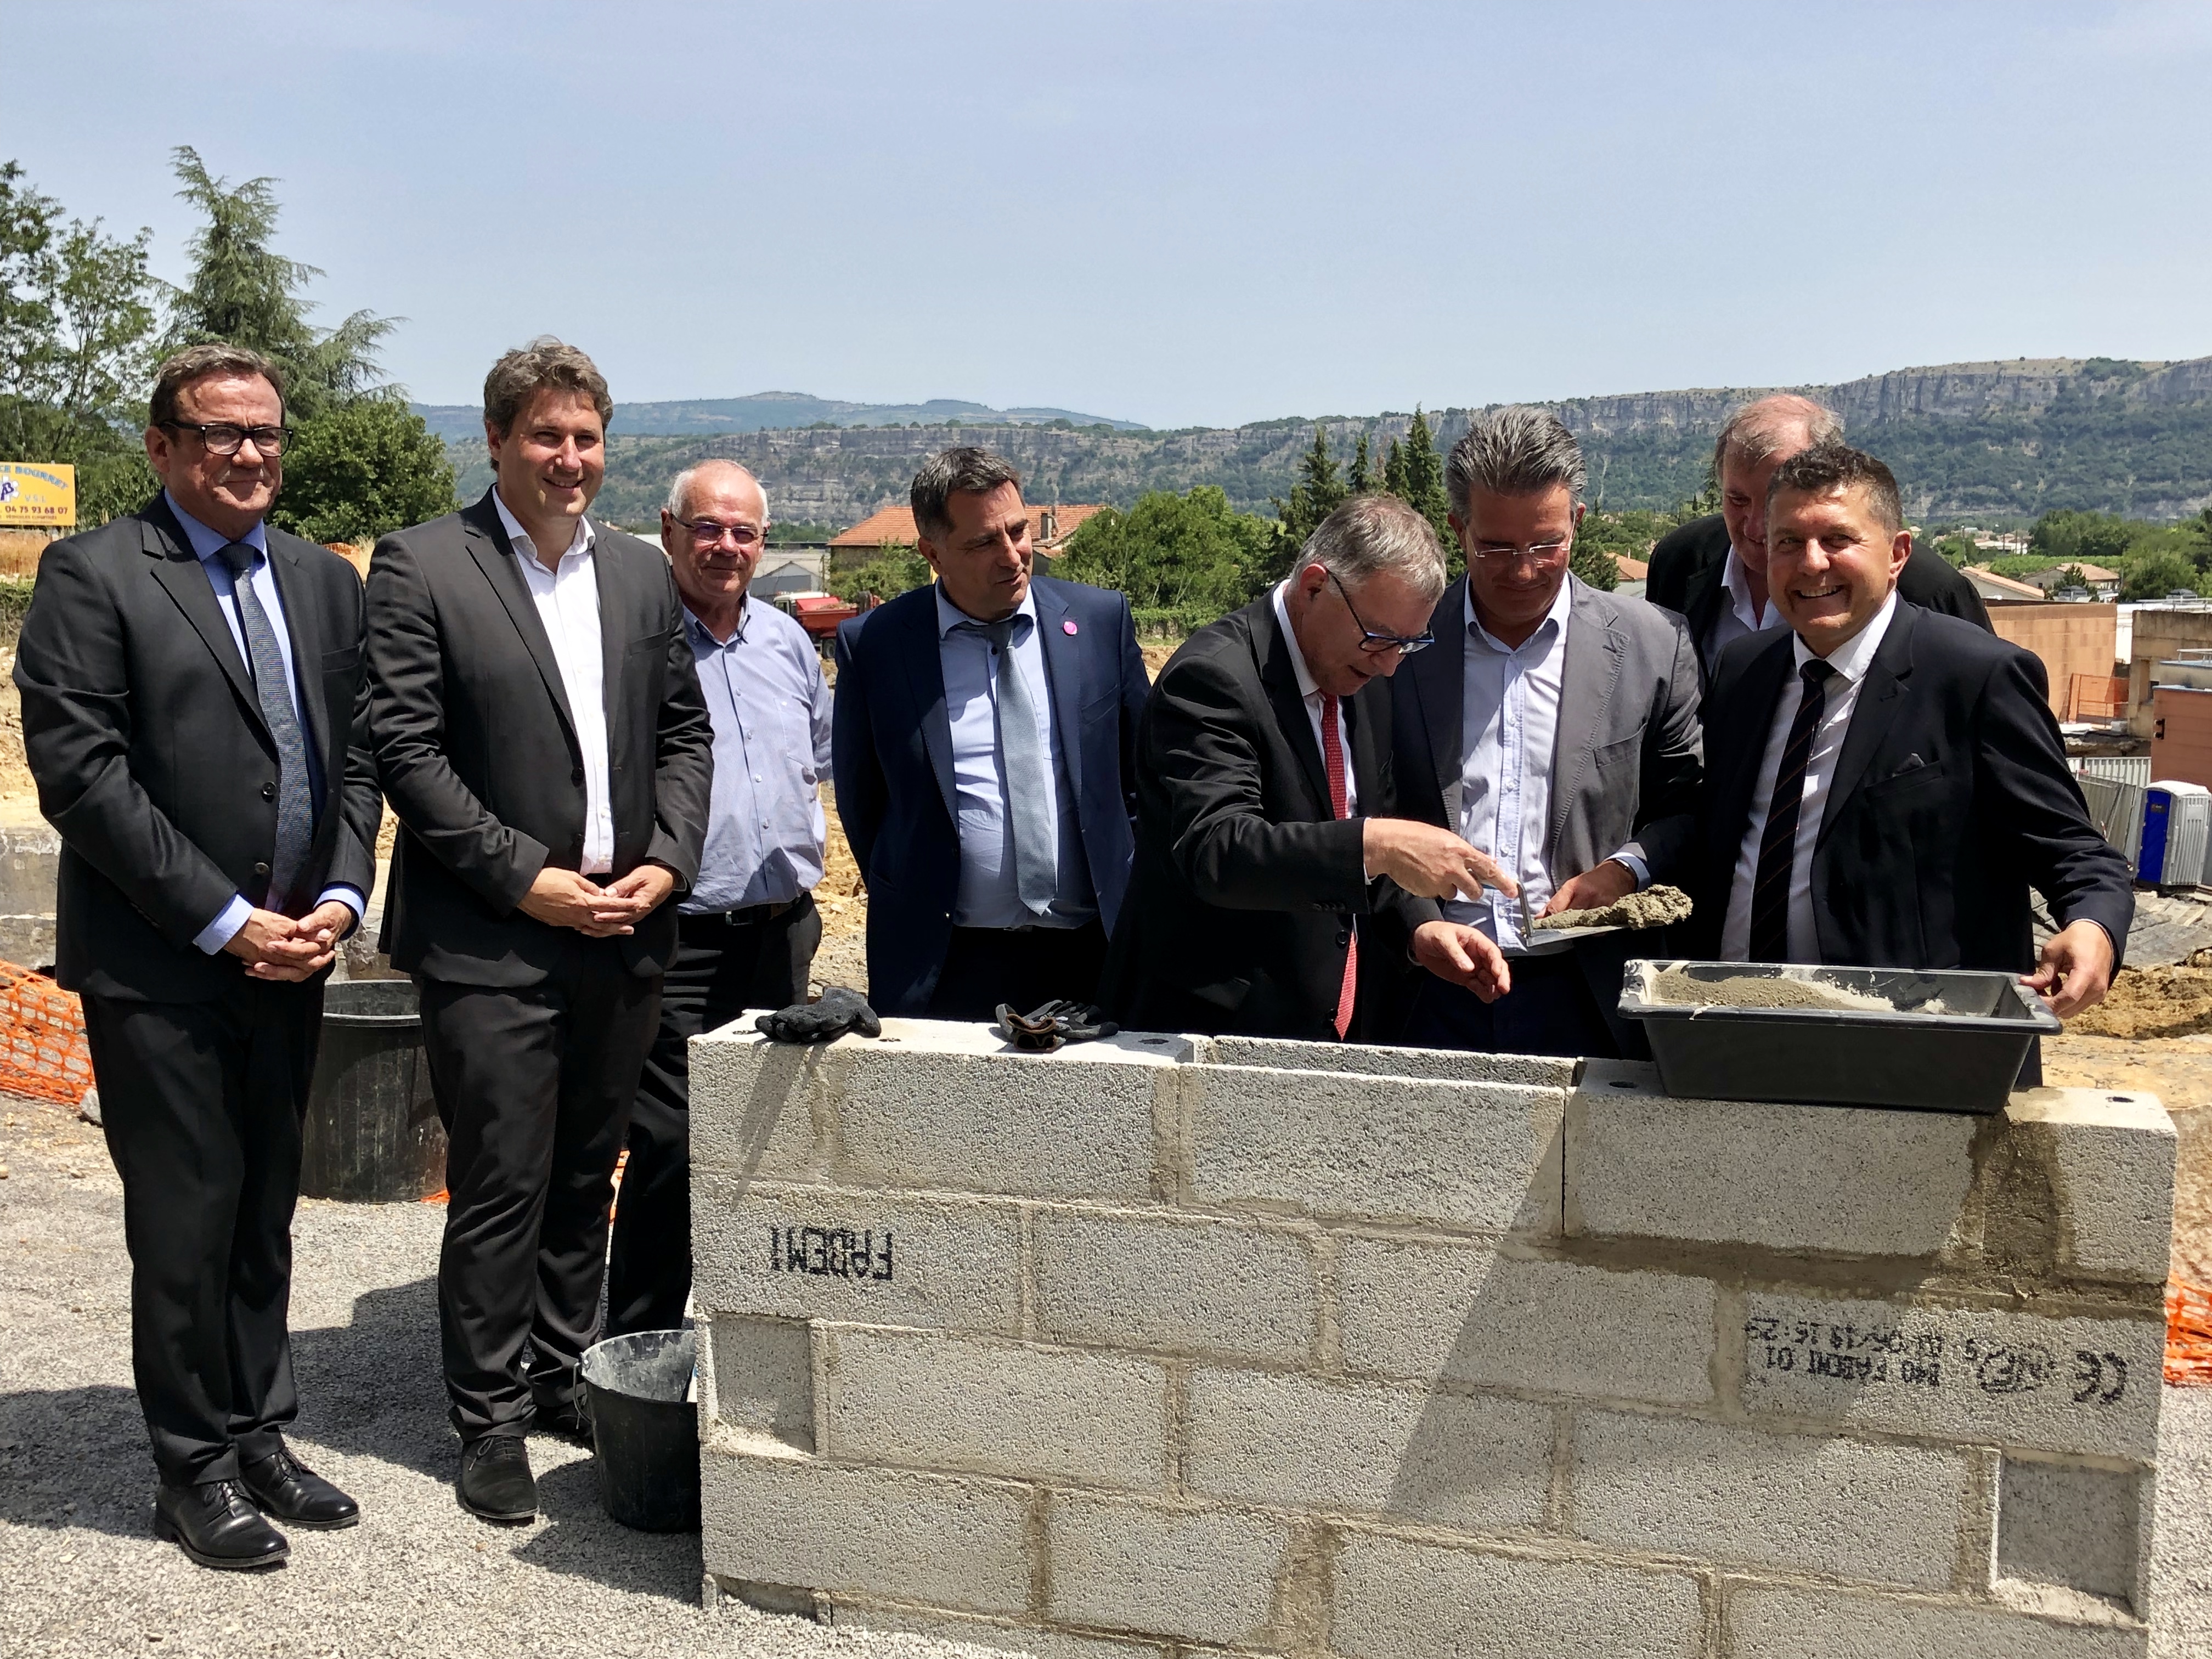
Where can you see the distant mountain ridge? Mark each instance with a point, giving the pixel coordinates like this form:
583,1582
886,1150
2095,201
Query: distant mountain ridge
767,412
1998,441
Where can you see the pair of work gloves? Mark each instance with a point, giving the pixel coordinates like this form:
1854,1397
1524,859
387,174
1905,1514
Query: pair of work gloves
1041,1030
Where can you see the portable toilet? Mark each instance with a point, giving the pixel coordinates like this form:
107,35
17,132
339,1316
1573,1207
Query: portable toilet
2177,827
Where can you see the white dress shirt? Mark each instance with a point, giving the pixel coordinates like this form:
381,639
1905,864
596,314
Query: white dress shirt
990,894
568,600
1738,616
1309,694
1851,661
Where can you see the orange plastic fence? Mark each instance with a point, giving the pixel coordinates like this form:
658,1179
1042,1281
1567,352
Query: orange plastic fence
42,1052
2097,696
2188,1333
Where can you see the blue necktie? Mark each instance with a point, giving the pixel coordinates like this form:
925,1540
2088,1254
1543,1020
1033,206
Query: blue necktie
296,804
1025,773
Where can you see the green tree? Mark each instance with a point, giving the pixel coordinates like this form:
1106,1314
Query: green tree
2072,576
1182,560
1360,481
2159,575
1957,549
895,569
360,469
1394,470
2072,537
1319,491
1424,480
2200,538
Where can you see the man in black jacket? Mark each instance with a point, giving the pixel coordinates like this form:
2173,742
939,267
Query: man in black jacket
539,727
1885,783
1274,893
195,715
1712,571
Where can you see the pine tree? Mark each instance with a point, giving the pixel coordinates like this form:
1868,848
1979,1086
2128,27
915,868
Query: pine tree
1319,492
1361,480
1424,478
1394,470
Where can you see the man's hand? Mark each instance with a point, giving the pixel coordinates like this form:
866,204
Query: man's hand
563,898
313,944
273,947
646,887
1593,890
1463,956
2075,970
1430,862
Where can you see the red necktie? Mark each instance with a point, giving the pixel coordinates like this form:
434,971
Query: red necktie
1332,755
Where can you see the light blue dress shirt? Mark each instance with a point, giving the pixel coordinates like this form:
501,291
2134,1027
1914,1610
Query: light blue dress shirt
987,895
770,709
206,543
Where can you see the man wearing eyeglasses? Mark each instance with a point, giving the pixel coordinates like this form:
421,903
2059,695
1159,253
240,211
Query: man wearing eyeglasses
746,933
1555,727
1278,892
195,714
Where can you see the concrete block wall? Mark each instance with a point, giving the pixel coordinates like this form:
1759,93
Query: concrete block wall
1167,1346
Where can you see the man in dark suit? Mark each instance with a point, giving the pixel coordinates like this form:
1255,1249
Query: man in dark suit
981,738
1275,893
1554,726
1712,571
194,713
1886,782
539,727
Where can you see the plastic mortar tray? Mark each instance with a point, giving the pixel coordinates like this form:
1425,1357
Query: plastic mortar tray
1948,1041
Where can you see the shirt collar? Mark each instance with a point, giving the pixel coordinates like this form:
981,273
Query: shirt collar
1309,687
703,637
1555,618
1853,656
951,615
1735,577
207,543
520,538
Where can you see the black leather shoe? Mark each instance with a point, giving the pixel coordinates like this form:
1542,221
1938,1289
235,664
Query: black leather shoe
496,1482
570,1419
213,1525
283,1487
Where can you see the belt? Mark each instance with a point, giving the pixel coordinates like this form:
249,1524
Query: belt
750,916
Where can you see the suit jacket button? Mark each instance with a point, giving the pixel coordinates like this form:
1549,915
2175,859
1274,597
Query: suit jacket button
268,791
260,869
577,776
1344,939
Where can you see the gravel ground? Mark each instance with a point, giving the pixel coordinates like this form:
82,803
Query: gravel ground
81,1574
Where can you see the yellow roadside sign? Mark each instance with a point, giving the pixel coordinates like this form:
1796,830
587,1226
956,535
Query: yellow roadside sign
36,492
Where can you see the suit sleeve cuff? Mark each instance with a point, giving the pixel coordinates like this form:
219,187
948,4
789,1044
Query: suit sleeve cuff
1634,864
347,894
224,928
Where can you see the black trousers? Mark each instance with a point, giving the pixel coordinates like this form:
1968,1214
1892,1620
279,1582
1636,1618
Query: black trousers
534,1086
721,968
201,1104
1023,966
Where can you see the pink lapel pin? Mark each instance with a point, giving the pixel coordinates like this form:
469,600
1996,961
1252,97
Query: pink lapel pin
1067,627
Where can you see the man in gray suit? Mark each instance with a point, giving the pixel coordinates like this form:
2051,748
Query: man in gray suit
1555,727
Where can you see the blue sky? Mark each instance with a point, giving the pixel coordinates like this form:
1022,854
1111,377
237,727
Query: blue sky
1191,213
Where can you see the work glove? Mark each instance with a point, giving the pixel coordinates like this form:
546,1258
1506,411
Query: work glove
1045,1028
839,1011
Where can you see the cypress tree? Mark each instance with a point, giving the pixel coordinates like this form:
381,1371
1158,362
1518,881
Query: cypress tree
1361,480
1424,478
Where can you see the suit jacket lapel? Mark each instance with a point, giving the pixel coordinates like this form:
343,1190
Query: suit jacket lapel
1702,601
614,645
1873,715
1439,682
1751,707
1586,681
925,672
1280,680
495,555
186,582
1063,667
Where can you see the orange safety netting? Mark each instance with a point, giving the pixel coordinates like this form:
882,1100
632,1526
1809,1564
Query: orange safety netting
42,1049
2188,1333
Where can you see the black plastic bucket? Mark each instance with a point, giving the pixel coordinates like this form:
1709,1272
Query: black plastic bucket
371,1134
645,1429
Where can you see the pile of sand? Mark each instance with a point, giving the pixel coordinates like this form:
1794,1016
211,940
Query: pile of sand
1672,988
2151,1002
1654,906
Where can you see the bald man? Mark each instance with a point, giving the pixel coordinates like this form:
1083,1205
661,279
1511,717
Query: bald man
1713,570
746,935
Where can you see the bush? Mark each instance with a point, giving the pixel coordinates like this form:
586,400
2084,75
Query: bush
360,470
893,570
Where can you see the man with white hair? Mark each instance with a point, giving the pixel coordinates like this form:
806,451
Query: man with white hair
747,931
1713,570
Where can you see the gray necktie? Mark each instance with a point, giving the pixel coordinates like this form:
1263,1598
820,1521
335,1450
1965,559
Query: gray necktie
1025,773
295,805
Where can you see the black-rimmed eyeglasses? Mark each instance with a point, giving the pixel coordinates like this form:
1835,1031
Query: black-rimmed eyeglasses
1374,643
223,438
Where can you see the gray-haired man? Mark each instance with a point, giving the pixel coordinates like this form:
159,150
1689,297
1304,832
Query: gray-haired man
746,933
1555,727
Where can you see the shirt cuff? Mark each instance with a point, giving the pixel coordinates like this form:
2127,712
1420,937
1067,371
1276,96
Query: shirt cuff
1635,866
224,928
350,895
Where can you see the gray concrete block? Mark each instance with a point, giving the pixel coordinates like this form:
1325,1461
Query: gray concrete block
1465,1312
1077,1126
753,1103
1176,1285
996,1408
761,1372
30,873
1450,1064
862,1257
1799,1502
1201,1574
995,1635
1998,1377
1266,1437
1788,1178
1396,1600
801,1523
2111,1161
2072,1526
1481,1156
1790,1623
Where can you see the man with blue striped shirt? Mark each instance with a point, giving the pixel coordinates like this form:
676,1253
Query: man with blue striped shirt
748,930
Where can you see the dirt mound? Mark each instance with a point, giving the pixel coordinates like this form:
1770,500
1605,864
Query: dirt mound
2151,1002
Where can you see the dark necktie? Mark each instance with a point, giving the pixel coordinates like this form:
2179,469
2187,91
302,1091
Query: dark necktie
1778,847
1331,756
1025,775
295,805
